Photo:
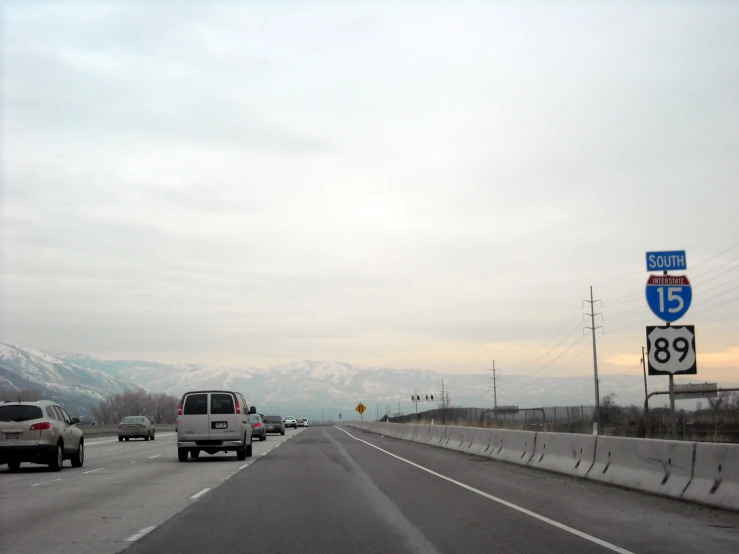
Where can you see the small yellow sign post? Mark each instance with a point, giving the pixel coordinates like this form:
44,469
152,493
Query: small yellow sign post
361,408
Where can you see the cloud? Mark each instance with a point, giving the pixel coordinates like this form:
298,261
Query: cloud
372,184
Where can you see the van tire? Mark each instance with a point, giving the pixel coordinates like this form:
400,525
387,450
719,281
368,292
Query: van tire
182,454
248,450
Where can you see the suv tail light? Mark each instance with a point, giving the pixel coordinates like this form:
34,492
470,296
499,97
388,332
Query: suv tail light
179,412
256,425
43,426
238,408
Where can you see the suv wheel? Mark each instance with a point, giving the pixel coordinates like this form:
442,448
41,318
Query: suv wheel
57,459
153,434
182,454
79,458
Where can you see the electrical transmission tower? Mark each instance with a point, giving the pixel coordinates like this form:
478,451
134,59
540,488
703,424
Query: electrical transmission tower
494,379
592,328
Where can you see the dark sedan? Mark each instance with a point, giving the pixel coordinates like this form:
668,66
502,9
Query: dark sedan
274,424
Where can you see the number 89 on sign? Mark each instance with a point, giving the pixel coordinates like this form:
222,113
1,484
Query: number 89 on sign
671,350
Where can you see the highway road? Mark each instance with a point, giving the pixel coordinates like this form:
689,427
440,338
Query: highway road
330,490
123,490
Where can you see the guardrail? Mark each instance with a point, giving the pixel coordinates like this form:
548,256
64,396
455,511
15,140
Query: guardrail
706,473
108,430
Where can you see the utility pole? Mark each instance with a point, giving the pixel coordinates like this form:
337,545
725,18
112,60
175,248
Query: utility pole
377,411
399,412
495,391
323,421
644,367
595,357
443,395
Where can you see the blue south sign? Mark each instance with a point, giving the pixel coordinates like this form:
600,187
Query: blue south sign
672,260
669,296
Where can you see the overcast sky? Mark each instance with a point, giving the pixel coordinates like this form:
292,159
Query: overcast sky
408,184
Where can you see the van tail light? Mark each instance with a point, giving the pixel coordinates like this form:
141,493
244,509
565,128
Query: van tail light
238,408
43,426
179,412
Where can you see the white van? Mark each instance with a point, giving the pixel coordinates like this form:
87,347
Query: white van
214,421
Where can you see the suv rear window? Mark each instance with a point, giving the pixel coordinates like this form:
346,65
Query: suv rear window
222,404
273,419
196,404
20,412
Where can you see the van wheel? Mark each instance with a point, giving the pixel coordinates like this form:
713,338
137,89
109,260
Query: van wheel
248,450
120,439
182,454
195,454
14,465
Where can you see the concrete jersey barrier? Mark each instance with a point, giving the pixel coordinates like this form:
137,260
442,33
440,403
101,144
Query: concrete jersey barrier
700,472
514,446
715,476
649,465
564,453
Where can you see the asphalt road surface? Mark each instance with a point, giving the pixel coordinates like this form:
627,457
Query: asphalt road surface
349,491
124,490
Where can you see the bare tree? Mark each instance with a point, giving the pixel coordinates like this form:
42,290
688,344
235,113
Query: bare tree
717,405
161,408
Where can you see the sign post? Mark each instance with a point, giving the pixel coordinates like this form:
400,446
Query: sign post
670,350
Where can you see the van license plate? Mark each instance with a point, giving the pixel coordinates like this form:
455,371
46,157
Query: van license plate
11,436
220,425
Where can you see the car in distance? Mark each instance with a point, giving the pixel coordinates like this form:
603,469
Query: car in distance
136,427
290,421
39,433
214,421
305,422
258,428
274,424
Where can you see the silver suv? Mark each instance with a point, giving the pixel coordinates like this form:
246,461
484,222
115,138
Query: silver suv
40,433
214,421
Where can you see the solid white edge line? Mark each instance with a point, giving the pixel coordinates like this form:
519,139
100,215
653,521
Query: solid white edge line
199,494
140,534
545,519
93,470
152,457
244,466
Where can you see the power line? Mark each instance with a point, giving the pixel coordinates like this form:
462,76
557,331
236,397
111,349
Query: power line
719,275
708,309
532,362
716,256
526,359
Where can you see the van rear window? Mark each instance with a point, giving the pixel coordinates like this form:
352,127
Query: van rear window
221,403
196,404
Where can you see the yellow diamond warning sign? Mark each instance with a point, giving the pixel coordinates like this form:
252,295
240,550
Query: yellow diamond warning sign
361,408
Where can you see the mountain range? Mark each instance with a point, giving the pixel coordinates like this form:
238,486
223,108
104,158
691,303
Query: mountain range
312,389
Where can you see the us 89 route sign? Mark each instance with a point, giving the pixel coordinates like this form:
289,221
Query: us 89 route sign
671,350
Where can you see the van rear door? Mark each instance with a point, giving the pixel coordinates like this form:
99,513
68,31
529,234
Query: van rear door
225,423
193,424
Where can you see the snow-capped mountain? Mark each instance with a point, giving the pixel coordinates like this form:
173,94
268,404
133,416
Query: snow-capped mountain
308,388
58,375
